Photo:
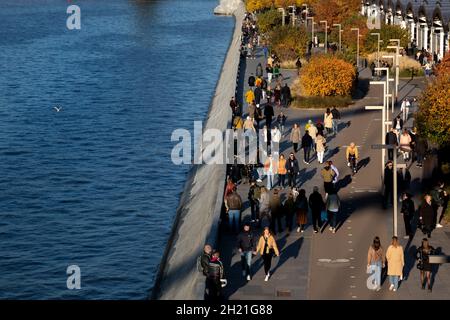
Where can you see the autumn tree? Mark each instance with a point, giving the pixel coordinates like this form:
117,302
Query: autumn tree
335,11
444,66
327,75
433,120
288,42
269,20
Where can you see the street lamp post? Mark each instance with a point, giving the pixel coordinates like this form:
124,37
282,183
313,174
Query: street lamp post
284,15
378,46
357,47
293,14
387,91
393,61
326,29
397,55
383,120
395,185
340,27
312,28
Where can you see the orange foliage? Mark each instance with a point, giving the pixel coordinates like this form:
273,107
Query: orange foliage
327,76
335,11
444,66
433,120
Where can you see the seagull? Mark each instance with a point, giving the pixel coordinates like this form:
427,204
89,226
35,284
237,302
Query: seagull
57,109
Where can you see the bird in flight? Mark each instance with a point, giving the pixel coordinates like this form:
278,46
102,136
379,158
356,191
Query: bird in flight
58,109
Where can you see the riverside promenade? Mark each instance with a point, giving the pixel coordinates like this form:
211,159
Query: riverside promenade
333,266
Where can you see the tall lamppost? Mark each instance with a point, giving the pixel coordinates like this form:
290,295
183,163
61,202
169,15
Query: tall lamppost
340,27
293,14
357,47
326,29
312,28
383,121
393,61
284,15
397,55
378,46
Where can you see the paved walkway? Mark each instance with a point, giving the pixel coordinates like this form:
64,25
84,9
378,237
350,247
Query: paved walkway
326,265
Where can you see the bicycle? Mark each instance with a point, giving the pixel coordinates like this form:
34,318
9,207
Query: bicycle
352,163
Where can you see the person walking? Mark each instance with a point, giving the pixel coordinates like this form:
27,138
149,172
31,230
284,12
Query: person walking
388,196
258,93
307,143
269,71
292,169
408,211
336,174
320,147
277,95
214,278
234,107
404,109
249,126
254,194
281,121
289,211
246,246
275,140
391,139
268,113
436,201
328,121
376,261
396,262
276,212
426,216
332,205
423,256
316,204
301,206
251,81
285,95
282,171
336,119
312,131
249,96
397,124
295,137
421,150
270,168
328,175
267,247
259,70
233,203
405,144
205,258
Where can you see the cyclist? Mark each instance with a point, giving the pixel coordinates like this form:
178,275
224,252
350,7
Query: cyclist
352,156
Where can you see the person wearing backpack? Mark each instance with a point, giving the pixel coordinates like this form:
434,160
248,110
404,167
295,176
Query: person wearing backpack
203,260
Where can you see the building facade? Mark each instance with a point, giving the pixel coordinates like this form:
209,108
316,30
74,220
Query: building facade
427,20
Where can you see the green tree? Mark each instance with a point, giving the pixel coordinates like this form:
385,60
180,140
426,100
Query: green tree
288,42
268,20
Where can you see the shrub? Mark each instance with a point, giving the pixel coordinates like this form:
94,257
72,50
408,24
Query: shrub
432,118
444,66
288,42
327,75
321,102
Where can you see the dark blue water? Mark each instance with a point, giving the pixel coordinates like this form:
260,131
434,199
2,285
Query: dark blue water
93,185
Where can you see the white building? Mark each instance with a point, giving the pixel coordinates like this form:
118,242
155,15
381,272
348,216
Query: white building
427,20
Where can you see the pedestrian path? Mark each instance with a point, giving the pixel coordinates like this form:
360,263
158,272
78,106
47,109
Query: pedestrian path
326,265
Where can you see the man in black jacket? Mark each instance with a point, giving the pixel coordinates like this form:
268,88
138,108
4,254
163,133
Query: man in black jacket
391,139
206,256
317,205
258,96
214,277
408,213
251,81
388,184
285,95
246,246
292,169
307,143
268,113
336,117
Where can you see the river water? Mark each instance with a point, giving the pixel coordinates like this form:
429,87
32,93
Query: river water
93,185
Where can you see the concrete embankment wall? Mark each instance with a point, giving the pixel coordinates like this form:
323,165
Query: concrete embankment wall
197,218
